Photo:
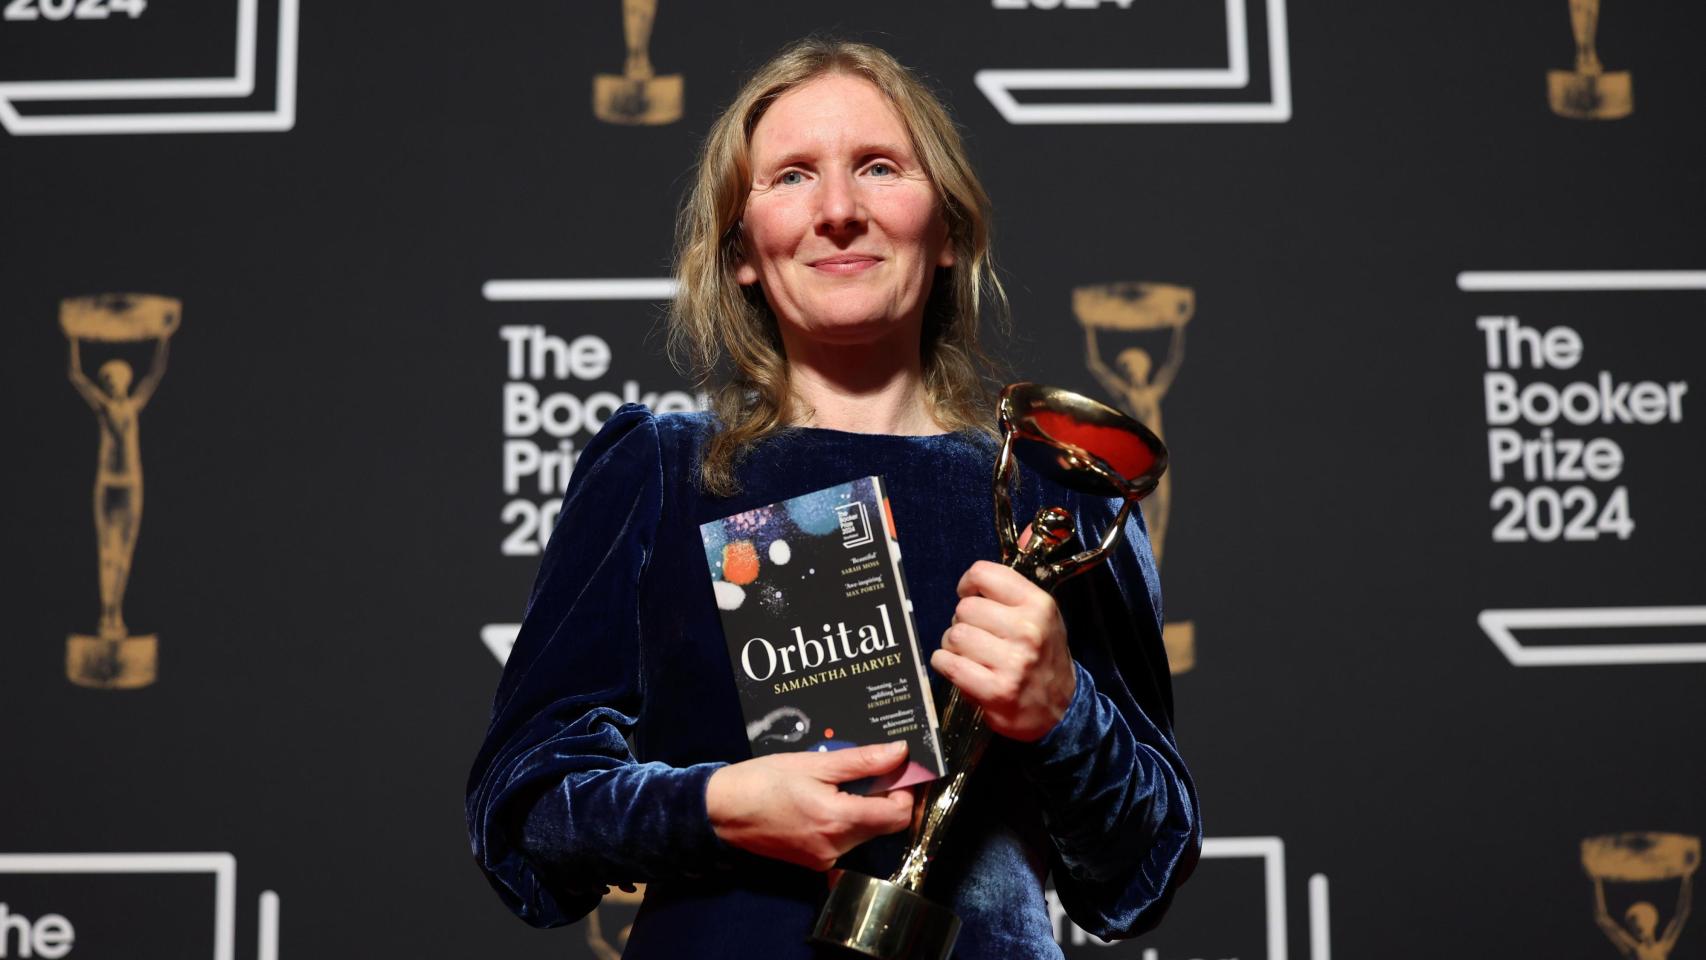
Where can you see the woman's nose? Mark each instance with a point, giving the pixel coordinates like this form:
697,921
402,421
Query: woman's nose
839,204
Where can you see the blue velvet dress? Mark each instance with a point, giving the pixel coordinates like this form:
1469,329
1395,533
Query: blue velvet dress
618,703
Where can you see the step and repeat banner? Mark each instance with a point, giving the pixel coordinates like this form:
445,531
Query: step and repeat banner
339,292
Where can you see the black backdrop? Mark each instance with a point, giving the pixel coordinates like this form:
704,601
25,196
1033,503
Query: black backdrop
1403,728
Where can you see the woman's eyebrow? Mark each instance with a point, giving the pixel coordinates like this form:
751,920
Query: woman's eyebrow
883,149
788,159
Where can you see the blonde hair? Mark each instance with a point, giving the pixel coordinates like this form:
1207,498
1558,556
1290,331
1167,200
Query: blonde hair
724,334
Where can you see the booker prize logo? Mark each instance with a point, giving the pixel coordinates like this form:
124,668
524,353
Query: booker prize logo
112,658
1642,863
1589,92
637,96
1139,384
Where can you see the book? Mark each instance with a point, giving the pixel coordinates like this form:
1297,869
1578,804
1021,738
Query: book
820,633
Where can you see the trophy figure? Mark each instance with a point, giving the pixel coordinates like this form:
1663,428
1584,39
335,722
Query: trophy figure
638,96
1588,92
112,658
1080,444
1134,379
1643,858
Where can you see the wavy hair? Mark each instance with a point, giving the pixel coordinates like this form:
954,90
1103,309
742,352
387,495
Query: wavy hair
725,336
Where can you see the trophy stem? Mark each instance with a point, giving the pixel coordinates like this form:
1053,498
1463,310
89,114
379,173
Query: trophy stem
964,739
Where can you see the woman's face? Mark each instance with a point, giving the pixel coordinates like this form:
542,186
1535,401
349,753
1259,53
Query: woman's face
842,229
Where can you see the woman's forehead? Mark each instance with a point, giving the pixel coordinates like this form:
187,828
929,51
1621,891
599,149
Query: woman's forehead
831,113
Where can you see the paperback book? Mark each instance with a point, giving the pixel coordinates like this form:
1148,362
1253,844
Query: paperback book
819,627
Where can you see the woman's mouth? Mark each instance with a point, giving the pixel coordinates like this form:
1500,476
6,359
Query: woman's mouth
846,263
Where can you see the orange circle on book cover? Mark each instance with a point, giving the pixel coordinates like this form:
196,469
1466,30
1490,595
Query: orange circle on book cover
829,733
740,562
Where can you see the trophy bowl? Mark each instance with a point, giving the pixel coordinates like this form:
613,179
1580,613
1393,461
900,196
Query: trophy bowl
1081,444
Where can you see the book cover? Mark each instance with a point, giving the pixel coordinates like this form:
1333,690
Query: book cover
819,627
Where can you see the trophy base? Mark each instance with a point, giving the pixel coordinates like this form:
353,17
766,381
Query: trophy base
641,101
1590,96
1180,639
876,918
109,663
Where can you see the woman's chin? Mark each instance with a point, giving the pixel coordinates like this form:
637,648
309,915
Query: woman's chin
854,333
853,328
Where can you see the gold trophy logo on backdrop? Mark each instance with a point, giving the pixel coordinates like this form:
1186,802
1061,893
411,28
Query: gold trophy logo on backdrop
638,96
1138,385
1589,92
113,659
617,911
1645,859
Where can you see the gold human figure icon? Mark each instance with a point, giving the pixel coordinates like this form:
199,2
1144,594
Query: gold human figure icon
603,944
638,95
1136,383
112,658
1643,858
1589,92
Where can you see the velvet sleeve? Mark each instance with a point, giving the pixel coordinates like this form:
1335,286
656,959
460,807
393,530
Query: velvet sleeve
1117,800
557,805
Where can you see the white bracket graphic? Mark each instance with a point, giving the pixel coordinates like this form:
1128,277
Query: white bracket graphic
1271,851
223,867
1499,625
998,85
241,84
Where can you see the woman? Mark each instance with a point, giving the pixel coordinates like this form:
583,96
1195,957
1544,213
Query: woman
834,256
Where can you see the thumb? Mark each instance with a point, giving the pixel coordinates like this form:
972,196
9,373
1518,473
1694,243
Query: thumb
853,763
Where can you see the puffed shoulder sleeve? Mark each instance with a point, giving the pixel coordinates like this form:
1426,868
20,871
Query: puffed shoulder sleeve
1117,799
557,805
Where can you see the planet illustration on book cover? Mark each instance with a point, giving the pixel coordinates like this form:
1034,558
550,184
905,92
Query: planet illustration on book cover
750,553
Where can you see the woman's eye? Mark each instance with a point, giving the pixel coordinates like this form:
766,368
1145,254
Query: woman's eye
791,178
881,169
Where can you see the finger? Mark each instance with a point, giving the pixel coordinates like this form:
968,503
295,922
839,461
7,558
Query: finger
854,763
974,679
976,644
874,815
986,614
903,800
997,582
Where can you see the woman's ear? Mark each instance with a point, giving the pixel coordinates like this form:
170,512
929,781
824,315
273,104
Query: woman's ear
745,273
948,258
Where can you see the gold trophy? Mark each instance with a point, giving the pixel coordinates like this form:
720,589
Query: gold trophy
113,659
1077,443
1642,858
638,96
1588,92
1142,307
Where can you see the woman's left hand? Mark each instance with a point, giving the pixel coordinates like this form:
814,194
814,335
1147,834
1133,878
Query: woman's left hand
1006,651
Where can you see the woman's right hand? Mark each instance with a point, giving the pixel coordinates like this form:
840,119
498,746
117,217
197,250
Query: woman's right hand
787,806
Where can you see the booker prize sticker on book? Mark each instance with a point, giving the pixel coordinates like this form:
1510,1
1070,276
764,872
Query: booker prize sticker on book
819,628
